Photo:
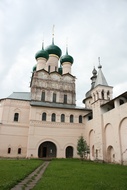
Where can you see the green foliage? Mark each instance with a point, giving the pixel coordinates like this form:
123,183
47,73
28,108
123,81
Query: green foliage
13,171
82,148
71,174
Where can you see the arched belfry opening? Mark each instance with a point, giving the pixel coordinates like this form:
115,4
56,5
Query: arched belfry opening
47,149
69,152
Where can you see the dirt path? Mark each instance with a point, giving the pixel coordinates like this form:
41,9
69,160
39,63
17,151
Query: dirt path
30,181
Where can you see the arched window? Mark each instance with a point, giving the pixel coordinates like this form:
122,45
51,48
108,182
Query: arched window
44,116
9,150
43,97
80,119
54,97
97,95
71,118
19,150
53,117
62,118
102,94
16,116
108,95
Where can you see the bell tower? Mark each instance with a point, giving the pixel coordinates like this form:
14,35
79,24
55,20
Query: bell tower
101,93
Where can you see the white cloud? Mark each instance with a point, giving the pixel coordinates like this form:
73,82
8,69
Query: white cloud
94,28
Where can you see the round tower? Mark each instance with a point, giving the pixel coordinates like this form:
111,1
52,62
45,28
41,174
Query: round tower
66,61
88,97
41,57
54,55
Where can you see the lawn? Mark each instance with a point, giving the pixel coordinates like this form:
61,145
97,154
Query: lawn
12,171
72,174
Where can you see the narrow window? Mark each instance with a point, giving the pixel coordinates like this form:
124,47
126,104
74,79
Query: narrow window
108,95
16,116
49,68
102,93
44,116
71,118
62,118
43,96
80,119
54,97
65,99
9,150
19,150
53,117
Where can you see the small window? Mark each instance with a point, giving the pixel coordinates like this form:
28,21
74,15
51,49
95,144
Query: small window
108,95
80,119
102,93
16,116
43,97
65,99
90,117
121,101
9,150
19,150
62,118
71,118
49,68
54,97
53,117
44,116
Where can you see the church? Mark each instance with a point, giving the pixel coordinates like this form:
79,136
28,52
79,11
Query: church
46,123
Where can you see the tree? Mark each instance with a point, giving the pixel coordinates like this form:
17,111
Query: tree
82,148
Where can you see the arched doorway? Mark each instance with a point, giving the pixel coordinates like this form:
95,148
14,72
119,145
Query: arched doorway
47,150
69,152
110,154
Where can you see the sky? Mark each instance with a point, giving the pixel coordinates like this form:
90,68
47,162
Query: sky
93,29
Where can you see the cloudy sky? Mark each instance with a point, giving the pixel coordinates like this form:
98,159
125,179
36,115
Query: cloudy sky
94,28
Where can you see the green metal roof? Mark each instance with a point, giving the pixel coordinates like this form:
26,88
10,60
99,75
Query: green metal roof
53,49
42,53
66,58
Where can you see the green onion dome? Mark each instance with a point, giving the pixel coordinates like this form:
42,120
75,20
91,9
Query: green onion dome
42,53
53,49
66,58
34,68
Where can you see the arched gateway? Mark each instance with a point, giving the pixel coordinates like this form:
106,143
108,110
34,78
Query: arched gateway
47,149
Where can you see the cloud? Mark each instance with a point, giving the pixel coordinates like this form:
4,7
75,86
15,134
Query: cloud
94,29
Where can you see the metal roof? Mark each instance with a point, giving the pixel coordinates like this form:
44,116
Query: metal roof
56,105
20,96
100,78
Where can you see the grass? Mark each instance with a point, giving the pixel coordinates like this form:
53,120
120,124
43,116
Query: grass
13,171
72,174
